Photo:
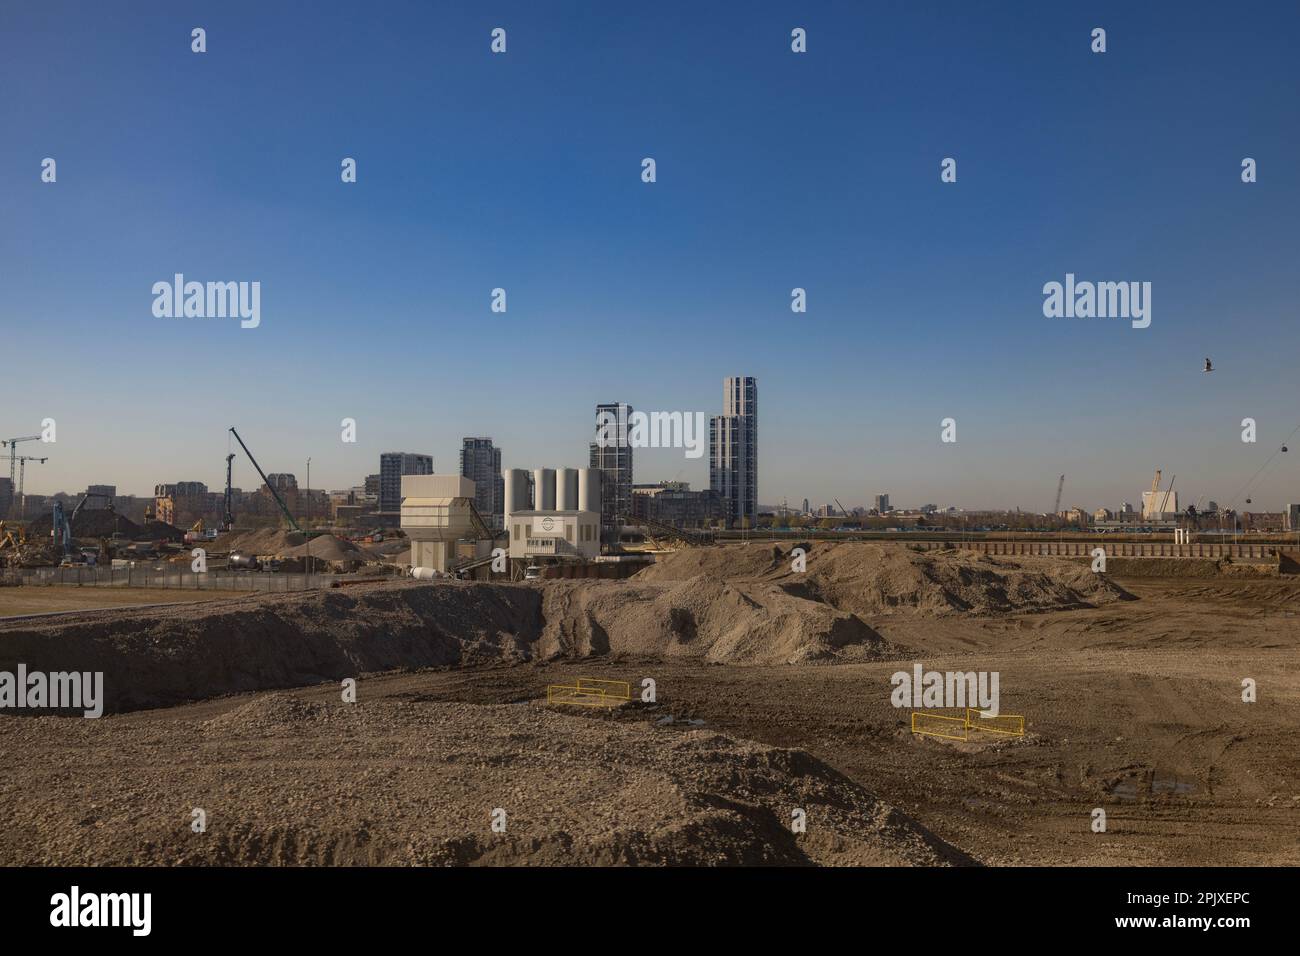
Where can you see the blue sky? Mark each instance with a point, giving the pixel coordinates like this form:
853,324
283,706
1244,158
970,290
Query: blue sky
775,170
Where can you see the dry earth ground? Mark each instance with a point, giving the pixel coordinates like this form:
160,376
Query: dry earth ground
1134,707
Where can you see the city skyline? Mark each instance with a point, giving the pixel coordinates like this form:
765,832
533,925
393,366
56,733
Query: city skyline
774,172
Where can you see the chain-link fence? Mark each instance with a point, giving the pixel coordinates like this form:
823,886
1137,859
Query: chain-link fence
183,579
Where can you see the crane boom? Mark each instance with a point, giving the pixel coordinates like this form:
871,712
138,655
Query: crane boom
275,494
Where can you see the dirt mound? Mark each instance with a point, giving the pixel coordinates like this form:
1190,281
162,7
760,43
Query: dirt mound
416,783
700,617
278,712
328,547
159,656
872,579
158,531
94,523
262,541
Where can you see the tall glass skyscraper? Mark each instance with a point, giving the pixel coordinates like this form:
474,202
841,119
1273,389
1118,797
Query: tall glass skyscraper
733,451
611,452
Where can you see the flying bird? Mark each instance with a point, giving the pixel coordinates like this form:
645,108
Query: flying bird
1209,366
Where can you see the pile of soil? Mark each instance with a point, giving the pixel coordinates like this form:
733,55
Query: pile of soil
263,541
284,781
92,523
159,656
703,618
328,547
153,657
871,580
158,531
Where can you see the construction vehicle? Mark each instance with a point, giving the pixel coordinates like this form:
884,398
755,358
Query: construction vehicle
8,539
284,509
227,514
61,533
199,532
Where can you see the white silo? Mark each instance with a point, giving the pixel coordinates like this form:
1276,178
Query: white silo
516,491
566,489
588,489
544,489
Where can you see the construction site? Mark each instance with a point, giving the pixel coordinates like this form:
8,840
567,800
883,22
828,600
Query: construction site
392,701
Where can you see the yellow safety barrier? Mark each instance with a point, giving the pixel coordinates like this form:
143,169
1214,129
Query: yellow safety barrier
929,724
940,725
1011,724
590,692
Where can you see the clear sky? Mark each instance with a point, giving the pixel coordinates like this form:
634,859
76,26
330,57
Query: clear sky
775,170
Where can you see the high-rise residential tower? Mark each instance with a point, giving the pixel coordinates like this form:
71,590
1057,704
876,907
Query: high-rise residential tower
392,466
611,452
480,461
733,450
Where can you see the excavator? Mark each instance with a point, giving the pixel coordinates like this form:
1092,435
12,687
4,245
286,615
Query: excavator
61,531
8,539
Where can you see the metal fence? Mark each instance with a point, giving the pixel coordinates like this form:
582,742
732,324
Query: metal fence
182,579
1113,549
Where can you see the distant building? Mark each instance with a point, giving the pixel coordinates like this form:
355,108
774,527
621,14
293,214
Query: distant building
180,503
611,452
1291,517
673,503
480,462
372,486
392,466
882,503
807,507
6,496
733,450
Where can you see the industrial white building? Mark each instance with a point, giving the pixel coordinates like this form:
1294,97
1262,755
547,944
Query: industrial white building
563,519
438,511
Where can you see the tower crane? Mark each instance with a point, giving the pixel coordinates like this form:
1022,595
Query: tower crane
13,453
22,478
